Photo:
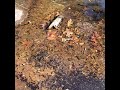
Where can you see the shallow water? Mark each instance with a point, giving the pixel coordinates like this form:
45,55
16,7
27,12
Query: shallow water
25,5
54,59
101,3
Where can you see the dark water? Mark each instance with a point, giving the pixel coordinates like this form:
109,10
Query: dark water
90,11
101,3
75,81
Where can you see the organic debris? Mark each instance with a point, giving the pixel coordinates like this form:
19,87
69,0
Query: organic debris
68,56
70,23
51,35
68,33
95,38
56,22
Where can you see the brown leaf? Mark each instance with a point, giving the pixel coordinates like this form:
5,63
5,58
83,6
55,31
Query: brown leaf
51,35
68,33
75,39
70,22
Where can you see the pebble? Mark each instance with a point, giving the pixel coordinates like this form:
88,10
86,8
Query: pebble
69,8
23,75
29,22
81,44
66,89
23,64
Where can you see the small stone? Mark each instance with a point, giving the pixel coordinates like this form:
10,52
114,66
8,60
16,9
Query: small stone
29,22
90,0
23,64
81,44
66,89
23,75
62,85
69,8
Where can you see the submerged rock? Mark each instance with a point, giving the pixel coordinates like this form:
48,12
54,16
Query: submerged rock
21,10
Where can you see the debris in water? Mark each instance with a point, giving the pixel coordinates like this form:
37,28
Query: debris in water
81,44
51,35
44,26
75,39
68,33
70,22
56,22
65,39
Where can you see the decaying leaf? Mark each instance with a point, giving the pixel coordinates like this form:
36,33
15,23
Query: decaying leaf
70,22
75,39
51,35
68,33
